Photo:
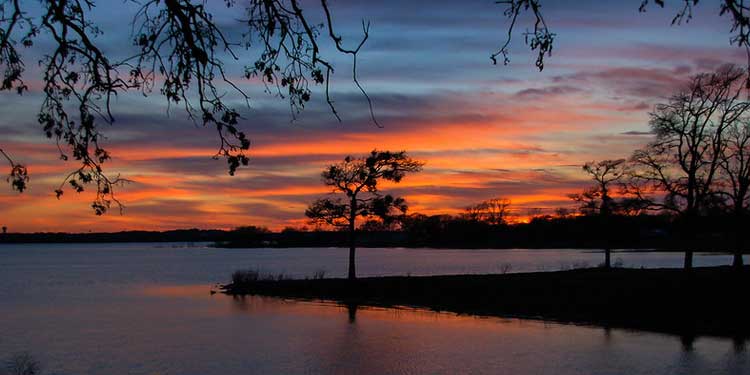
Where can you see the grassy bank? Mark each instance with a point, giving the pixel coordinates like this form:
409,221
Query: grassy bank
704,301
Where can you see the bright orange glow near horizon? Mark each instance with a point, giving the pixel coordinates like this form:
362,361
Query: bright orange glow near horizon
483,131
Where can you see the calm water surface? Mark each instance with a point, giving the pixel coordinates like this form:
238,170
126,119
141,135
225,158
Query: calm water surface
146,309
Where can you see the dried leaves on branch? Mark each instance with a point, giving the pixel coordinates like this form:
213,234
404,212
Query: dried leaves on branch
18,176
181,52
179,43
540,38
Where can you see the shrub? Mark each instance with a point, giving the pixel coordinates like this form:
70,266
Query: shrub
242,277
319,274
22,364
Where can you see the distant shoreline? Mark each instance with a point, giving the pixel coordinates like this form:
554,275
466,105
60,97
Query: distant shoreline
538,236
715,234
181,235
213,244
704,301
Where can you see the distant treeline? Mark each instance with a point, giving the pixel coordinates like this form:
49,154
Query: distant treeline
185,235
444,231
714,233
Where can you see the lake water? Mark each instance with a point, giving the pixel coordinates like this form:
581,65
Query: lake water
146,309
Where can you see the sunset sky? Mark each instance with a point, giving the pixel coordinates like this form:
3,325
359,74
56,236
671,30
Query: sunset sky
483,130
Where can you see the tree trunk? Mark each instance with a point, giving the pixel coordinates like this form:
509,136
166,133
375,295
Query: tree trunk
352,265
352,240
738,243
691,236
737,261
606,230
688,259
607,258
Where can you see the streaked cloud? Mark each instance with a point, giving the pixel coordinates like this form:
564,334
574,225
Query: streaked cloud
484,131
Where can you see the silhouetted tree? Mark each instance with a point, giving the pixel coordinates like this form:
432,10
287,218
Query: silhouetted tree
181,50
684,160
493,211
378,225
301,229
735,165
357,179
534,212
562,212
250,235
598,200
735,168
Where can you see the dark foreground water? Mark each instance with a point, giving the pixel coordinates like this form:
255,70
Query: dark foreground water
146,309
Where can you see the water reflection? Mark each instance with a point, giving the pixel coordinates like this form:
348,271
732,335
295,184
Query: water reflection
687,341
351,309
739,344
173,291
380,338
183,329
138,310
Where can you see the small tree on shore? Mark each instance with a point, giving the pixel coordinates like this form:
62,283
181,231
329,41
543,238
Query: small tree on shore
597,200
357,179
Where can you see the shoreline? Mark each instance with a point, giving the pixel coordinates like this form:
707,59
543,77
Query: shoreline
705,301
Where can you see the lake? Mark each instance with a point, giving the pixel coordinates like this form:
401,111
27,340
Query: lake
146,309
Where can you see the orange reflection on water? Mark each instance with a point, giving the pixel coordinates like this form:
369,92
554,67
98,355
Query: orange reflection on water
401,314
175,291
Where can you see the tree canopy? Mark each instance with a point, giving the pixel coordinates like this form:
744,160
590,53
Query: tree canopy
696,163
358,179
690,138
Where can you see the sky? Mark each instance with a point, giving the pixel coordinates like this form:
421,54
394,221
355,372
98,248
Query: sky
483,130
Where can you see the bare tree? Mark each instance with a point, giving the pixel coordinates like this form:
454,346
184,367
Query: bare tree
597,200
684,160
178,42
735,168
493,211
357,179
